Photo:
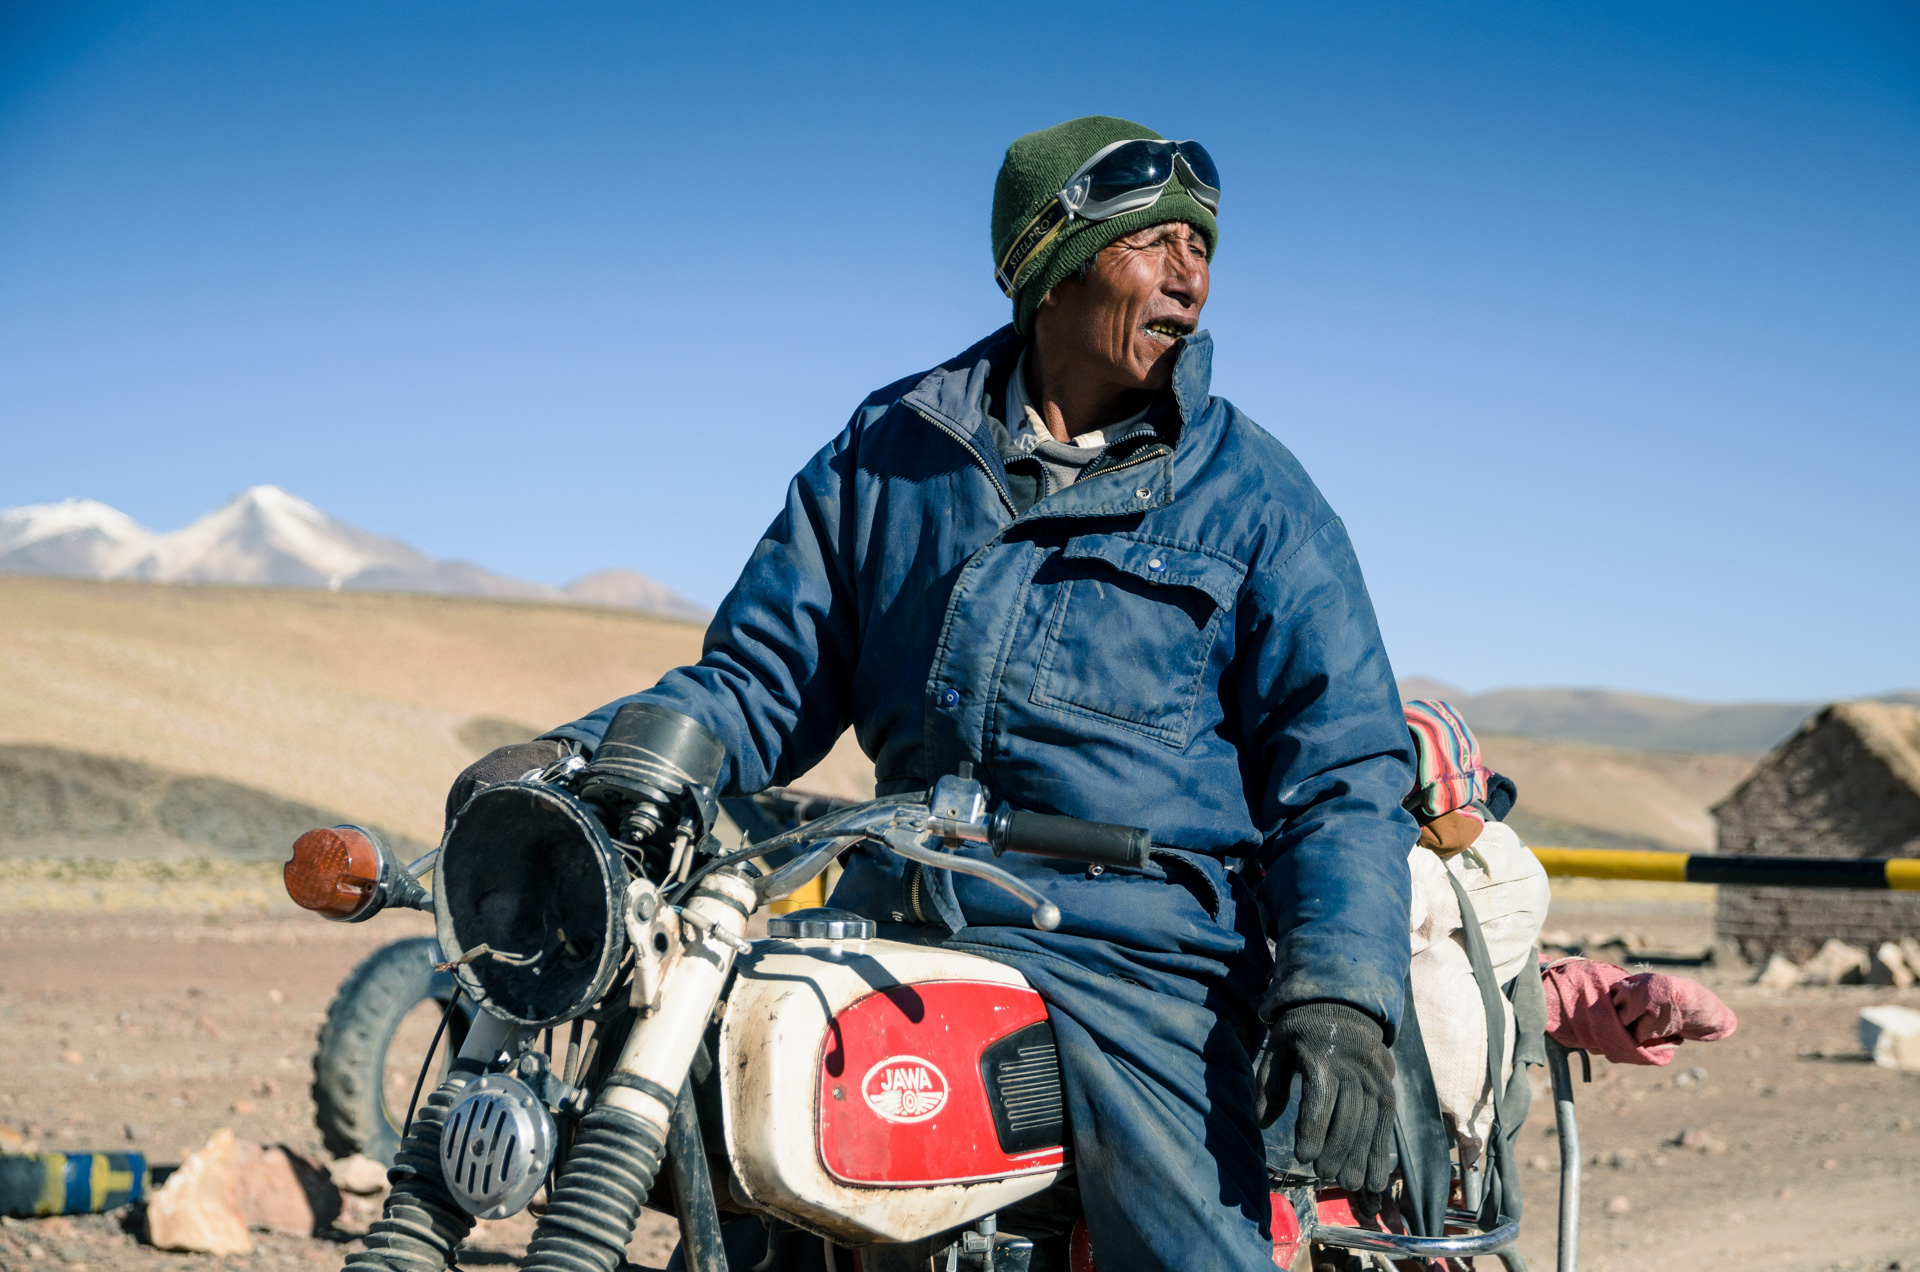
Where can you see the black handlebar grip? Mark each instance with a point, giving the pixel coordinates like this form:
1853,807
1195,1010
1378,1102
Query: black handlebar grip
1097,843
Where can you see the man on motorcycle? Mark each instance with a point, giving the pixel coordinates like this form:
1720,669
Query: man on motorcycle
1056,559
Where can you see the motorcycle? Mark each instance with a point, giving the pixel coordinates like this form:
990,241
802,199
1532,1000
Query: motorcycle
819,1098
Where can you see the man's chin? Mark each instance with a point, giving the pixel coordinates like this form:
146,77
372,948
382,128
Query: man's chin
1159,372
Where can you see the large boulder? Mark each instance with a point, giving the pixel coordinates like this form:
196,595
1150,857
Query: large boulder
198,1208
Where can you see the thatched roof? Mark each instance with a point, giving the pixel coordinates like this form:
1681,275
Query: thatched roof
1889,731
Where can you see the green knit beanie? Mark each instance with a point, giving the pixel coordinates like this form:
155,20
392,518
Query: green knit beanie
1036,167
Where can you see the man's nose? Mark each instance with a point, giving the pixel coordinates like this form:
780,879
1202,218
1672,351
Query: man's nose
1186,277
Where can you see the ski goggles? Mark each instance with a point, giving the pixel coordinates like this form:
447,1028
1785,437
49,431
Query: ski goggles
1123,177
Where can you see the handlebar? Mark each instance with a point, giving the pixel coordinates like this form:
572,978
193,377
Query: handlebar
1097,843
954,812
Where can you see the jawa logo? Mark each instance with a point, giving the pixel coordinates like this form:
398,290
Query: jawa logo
905,1089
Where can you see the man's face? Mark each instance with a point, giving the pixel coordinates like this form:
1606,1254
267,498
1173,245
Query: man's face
1124,321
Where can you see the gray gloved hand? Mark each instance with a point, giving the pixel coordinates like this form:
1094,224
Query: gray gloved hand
1345,1128
503,764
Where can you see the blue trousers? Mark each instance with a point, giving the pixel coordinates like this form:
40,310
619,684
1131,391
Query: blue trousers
1151,983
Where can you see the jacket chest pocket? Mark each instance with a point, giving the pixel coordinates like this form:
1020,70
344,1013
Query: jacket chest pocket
1130,631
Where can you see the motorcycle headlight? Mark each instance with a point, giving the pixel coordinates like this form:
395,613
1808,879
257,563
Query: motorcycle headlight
526,903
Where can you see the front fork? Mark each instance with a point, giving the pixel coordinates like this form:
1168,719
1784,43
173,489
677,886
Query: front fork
617,1151
421,1224
618,1146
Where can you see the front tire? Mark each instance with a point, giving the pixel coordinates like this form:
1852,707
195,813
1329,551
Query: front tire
354,1095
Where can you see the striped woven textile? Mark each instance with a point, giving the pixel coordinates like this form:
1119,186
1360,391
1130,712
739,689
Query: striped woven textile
1448,773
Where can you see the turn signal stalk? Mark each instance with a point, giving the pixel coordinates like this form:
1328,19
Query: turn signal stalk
347,873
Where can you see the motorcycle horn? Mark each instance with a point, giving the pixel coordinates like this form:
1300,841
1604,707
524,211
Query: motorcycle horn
527,903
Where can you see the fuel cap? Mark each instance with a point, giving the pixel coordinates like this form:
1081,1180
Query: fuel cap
822,923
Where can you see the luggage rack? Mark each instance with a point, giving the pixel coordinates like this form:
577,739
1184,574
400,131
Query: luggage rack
1497,1240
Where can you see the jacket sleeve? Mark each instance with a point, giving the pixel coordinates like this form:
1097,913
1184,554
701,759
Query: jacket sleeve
1326,763
772,681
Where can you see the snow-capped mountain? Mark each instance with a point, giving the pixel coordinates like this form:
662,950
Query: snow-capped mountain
74,536
267,536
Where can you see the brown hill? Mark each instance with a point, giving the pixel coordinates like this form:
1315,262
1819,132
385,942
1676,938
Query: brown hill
365,703
1576,795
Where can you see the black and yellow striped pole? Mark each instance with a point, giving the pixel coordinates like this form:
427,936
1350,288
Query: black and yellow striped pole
1900,874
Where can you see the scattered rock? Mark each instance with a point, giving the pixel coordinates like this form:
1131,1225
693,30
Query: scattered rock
197,1209
1619,1206
1779,973
1693,1077
280,1191
358,1174
1540,1161
1890,967
1700,1140
1836,963
275,996
134,1130
11,1139
71,1056
244,1108
1892,1036
1725,955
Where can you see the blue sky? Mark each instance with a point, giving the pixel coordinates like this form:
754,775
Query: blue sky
1600,324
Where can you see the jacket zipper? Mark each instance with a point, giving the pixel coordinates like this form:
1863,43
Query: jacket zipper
980,461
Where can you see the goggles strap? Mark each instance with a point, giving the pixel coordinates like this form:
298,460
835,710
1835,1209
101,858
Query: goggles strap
1040,231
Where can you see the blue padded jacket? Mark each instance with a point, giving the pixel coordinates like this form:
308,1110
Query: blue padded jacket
1180,640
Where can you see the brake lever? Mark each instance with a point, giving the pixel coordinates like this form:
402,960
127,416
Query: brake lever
911,844
799,872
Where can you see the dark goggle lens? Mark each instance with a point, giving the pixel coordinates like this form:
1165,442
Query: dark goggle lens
1134,166
1201,163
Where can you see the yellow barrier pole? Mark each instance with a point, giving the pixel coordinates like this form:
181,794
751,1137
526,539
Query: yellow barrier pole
1614,863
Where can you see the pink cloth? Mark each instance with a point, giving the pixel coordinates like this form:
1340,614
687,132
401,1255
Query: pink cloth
1630,1019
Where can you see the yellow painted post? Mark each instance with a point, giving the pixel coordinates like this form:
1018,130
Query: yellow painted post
1614,863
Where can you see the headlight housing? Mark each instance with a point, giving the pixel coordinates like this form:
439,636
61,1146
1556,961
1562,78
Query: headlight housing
527,903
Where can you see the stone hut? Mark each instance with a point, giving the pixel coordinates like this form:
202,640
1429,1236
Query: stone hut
1846,785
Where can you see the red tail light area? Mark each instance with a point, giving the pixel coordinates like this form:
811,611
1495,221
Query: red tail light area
333,872
903,1097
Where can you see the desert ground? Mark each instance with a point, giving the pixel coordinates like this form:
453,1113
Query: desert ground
143,1010
155,985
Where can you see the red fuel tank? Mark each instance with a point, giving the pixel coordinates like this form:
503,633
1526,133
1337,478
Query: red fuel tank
877,1091
942,1082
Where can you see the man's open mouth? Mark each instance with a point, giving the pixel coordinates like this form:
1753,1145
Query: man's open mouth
1169,328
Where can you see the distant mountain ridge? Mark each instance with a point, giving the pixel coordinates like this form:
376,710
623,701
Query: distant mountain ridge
266,536
1605,717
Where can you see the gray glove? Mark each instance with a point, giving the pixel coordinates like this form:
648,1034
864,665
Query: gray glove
503,764
1345,1129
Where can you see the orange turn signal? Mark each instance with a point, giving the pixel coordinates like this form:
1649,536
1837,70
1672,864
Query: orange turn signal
334,872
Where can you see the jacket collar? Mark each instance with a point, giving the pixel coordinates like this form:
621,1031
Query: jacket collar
958,394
